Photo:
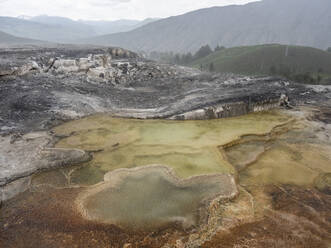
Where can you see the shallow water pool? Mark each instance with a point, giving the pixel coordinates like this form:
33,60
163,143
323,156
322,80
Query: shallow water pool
189,147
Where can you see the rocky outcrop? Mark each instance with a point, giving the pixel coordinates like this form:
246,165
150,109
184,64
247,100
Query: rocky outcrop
230,110
19,70
112,66
60,60
72,83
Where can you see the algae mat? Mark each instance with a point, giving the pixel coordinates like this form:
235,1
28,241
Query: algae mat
188,147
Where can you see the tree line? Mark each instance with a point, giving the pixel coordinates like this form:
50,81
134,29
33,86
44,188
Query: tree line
186,58
298,76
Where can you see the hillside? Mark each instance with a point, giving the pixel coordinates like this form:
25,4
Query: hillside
295,62
297,22
94,27
64,30
41,31
9,40
110,27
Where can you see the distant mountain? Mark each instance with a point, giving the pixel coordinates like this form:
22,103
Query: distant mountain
297,22
62,22
110,27
65,30
10,40
25,17
304,64
56,30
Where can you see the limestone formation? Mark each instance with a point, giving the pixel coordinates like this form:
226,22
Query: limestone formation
41,88
24,155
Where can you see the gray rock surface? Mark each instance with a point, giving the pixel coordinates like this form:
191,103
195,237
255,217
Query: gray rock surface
14,188
23,155
41,88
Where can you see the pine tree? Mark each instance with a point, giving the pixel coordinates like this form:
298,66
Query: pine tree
203,52
211,67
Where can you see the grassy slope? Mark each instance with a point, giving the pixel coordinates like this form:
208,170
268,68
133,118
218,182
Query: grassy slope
259,60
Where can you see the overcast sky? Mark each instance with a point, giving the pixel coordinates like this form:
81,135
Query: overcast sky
107,9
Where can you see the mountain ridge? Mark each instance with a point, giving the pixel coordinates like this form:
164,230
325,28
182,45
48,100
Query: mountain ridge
64,30
297,22
7,39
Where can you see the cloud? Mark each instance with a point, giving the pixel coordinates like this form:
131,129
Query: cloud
107,9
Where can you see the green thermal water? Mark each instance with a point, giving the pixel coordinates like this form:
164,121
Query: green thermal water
287,154
189,147
240,156
295,157
150,199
